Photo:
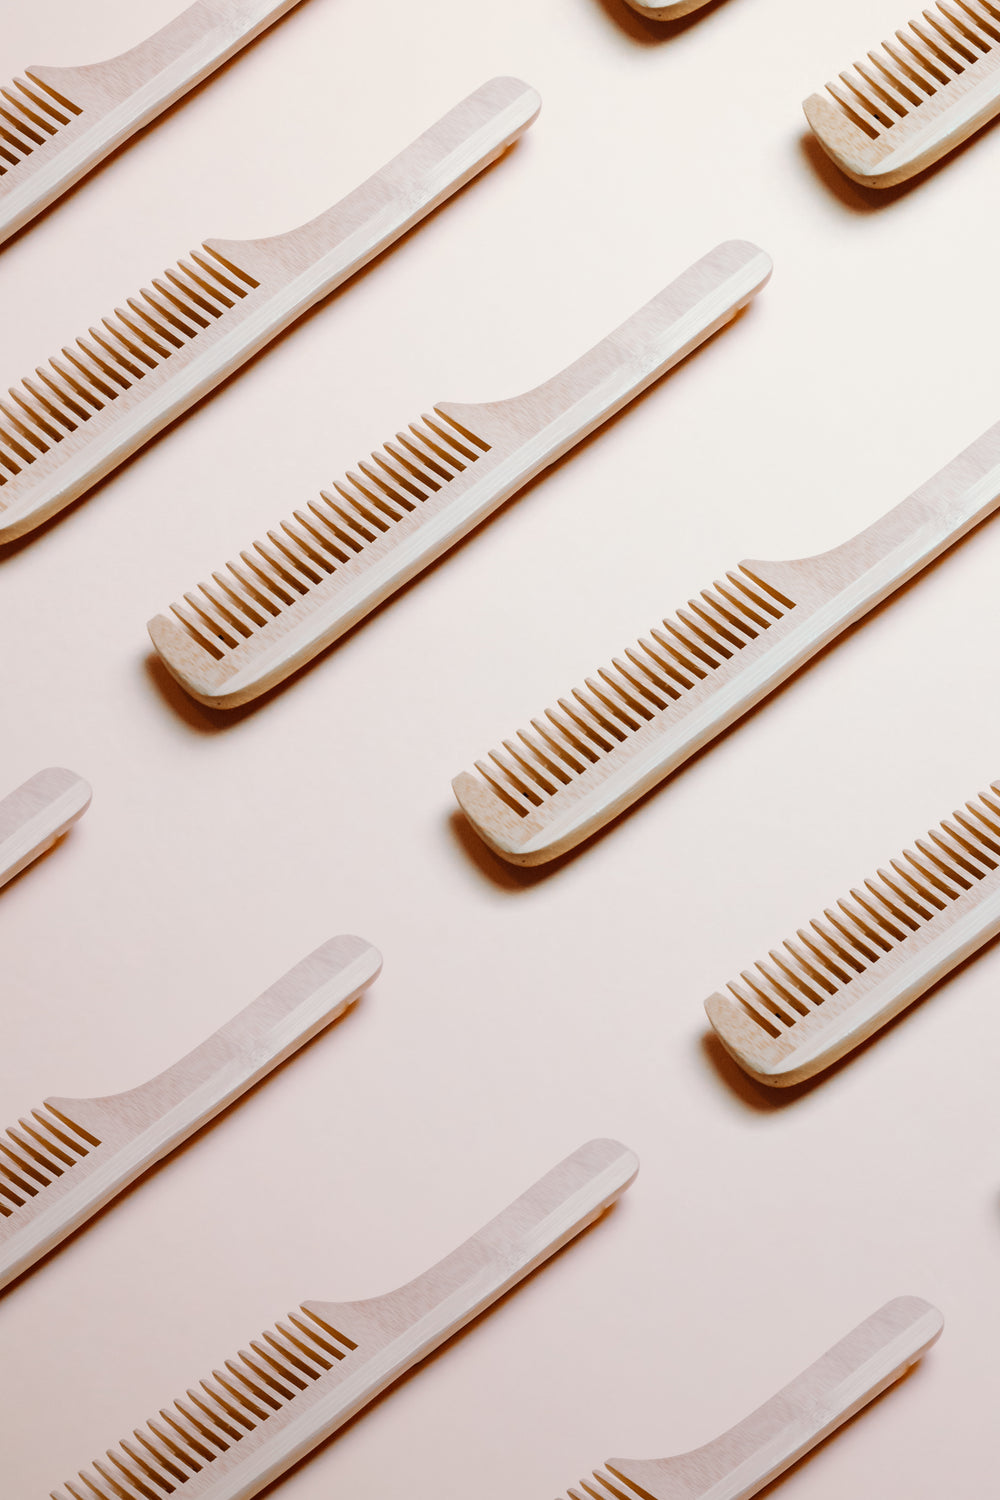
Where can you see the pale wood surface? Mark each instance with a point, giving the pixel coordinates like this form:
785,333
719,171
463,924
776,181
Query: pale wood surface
58,123
668,11
740,1462
37,813
915,97
519,1012
848,974
239,1430
65,1160
594,753
98,401
315,575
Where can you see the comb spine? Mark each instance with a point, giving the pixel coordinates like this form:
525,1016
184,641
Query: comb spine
36,814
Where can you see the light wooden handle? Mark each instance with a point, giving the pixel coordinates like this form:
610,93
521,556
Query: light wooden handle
848,1376
36,814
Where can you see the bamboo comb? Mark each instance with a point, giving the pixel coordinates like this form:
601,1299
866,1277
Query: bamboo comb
670,11
747,1457
871,956
914,98
88,409
58,123
586,760
318,574
302,1379
71,1156
36,814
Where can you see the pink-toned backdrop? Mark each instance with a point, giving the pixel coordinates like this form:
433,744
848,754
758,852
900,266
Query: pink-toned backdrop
518,1014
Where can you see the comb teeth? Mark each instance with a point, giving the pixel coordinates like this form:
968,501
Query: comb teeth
947,44
213,1418
349,521
900,906
601,1486
154,326
634,691
30,114
35,1153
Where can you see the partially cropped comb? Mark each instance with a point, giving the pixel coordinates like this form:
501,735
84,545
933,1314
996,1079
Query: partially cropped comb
322,570
669,10
747,1457
58,123
587,759
102,397
65,1160
238,1431
843,977
914,98
37,813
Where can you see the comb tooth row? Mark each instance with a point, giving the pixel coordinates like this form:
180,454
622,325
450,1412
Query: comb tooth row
36,1152
48,407
30,114
855,935
190,1435
601,1486
924,57
301,553
633,692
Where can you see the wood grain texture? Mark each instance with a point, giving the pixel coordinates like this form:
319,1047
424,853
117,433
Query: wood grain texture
316,574
747,1457
37,813
582,762
58,123
841,979
62,1163
914,98
238,1431
87,409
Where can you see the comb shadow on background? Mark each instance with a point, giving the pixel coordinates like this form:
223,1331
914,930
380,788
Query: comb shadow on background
12,549
208,719
510,877
863,200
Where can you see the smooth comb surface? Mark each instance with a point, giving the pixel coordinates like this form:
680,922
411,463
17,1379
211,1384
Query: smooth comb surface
65,1160
287,596
58,123
37,813
747,1457
263,1410
669,11
872,954
84,411
597,750
914,98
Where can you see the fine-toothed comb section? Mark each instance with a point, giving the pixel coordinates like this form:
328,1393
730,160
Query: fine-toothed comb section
873,953
253,601
54,406
203,1432
31,113
37,1151
598,728
901,98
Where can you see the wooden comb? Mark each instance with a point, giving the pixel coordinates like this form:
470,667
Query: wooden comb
58,123
85,411
70,1157
914,98
303,1378
320,572
747,1457
670,11
586,760
871,956
37,813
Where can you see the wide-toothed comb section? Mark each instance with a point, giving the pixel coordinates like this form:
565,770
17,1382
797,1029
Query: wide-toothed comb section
153,327
638,689
901,905
952,41
184,1440
31,113
602,1486
36,1152
348,521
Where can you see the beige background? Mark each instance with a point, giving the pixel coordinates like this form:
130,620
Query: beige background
518,1014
